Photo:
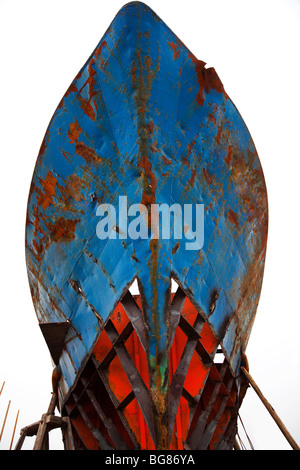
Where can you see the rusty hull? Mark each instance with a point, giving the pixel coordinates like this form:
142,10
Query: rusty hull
146,119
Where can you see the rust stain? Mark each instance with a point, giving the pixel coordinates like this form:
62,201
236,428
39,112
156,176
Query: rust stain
150,127
250,185
142,76
86,105
212,80
63,229
192,178
166,160
218,136
48,184
190,146
199,66
87,108
150,183
229,155
74,132
233,218
39,248
175,49
44,143
91,79
158,389
207,79
72,190
175,248
207,176
99,49
212,118
82,150
153,147
87,153
185,162
72,88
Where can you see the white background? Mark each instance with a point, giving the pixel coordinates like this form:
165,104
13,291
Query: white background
254,47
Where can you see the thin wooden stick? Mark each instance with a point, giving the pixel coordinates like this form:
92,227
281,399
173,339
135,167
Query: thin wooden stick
272,412
4,420
13,435
2,387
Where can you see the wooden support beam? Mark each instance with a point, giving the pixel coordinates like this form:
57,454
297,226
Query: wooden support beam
67,434
21,439
42,438
4,422
52,404
41,429
42,442
14,430
271,410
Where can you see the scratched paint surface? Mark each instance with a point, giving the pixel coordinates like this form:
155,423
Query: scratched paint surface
144,118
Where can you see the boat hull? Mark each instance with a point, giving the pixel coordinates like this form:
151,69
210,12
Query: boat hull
146,122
